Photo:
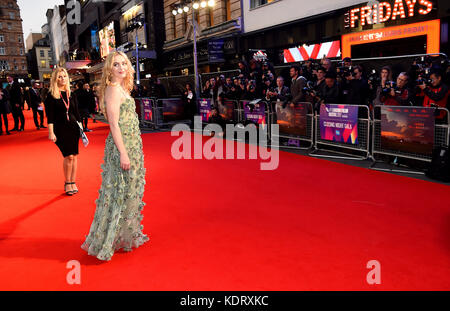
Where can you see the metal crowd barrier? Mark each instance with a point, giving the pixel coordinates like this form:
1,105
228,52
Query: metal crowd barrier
306,137
441,135
145,108
346,150
267,114
169,111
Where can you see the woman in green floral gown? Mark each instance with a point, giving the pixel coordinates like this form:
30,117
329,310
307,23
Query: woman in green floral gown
118,216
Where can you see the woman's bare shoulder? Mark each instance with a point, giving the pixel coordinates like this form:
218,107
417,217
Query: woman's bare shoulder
112,92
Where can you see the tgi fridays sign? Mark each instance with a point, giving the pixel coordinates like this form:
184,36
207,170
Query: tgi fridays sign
376,12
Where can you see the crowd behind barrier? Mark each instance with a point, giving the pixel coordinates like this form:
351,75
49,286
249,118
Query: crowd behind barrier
255,94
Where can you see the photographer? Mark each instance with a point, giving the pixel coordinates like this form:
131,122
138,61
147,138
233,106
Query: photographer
244,72
398,94
436,94
328,94
355,90
250,92
385,77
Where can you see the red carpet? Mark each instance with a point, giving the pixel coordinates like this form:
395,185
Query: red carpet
222,224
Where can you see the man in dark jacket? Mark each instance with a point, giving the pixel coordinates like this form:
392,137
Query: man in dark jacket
297,85
35,103
355,88
16,102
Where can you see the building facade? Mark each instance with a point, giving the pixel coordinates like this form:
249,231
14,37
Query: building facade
219,27
39,59
350,28
12,49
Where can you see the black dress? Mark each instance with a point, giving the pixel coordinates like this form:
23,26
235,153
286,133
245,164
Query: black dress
67,132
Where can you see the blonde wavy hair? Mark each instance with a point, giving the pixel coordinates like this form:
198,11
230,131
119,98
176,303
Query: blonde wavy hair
127,83
54,89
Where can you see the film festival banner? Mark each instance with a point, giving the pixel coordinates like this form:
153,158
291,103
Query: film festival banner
255,112
148,112
226,109
339,123
172,109
204,108
409,130
292,121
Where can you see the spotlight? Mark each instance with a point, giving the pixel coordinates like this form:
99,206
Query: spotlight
174,12
203,4
211,3
180,10
196,5
186,9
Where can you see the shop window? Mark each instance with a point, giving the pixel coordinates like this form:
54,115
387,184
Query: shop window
257,3
211,17
174,23
227,10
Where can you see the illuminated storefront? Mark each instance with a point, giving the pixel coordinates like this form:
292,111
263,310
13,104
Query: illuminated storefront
395,27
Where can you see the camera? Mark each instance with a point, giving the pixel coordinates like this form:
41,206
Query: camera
252,85
374,78
309,89
389,86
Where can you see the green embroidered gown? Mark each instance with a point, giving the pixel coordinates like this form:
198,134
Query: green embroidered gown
118,215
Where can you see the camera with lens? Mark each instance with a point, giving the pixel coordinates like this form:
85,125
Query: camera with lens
345,72
252,85
309,89
374,78
390,85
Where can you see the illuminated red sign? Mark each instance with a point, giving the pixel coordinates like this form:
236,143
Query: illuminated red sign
383,11
430,29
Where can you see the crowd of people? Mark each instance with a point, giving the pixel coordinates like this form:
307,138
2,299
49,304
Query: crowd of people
424,84
15,98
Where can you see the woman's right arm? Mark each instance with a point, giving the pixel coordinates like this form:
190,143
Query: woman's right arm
113,100
50,112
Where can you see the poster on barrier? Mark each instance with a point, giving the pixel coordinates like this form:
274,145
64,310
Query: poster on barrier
407,129
172,109
292,121
204,108
339,123
226,109
255,112
148,112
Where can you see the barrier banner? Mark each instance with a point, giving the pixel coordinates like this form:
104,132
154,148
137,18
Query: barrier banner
148,113
339,123
407,129
293,121
226,109
204,108
172,109
255,112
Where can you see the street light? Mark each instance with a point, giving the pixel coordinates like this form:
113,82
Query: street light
178,9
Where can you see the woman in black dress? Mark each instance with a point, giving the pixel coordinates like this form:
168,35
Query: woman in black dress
62,115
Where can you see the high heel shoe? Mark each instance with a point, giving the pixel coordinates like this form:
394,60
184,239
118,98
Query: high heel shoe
69,193
76,190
